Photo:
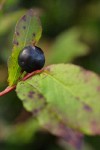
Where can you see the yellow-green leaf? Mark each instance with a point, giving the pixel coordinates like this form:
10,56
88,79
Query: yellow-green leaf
67,47
27,32
72,93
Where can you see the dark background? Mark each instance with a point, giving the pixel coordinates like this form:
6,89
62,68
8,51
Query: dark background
57,16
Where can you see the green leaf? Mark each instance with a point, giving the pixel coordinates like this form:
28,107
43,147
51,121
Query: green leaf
28,32
21,133
67,47
27,95
8,20
70,92
35,102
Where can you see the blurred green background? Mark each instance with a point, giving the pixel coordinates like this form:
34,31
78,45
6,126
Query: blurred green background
71,34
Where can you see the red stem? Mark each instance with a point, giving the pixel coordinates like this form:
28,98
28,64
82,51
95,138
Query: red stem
7,90
11,88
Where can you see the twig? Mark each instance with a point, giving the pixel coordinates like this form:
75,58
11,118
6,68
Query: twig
7,90
11,88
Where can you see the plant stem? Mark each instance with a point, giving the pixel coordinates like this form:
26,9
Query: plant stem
7,90
11,88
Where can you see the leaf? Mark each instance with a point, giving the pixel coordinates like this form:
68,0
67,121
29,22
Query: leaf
8,20
27,95
28,32
67,47
71,92
21,133
35,102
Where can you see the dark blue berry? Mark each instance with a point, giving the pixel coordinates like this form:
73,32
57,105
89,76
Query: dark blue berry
31,59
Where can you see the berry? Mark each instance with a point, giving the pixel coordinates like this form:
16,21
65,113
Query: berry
31,59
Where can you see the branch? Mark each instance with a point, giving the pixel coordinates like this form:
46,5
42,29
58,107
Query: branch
7,90
11,88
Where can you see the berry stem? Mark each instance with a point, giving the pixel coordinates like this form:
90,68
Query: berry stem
11,88
32,74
